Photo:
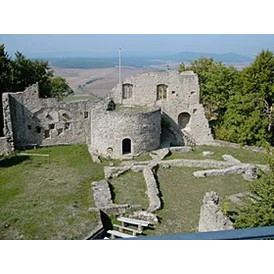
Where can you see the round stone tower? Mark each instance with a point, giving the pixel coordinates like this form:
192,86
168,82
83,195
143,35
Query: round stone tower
125,131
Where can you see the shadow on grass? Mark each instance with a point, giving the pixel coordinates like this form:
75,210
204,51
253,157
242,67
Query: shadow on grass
12,161
112,192
148,228
106,221
232,215
158,186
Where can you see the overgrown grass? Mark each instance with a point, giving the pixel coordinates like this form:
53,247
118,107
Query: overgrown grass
245,156
182,196
130,188
41,200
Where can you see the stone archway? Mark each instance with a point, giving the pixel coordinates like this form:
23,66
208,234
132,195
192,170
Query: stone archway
183,120
126,146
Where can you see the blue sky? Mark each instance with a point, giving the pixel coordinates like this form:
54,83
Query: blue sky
38,45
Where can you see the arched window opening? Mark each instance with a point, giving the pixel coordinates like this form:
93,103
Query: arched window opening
183,120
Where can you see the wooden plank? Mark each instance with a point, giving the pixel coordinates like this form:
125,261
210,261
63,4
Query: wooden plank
139,223
119,234
134,231
30,154
133,221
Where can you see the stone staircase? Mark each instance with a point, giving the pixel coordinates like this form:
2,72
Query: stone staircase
188,139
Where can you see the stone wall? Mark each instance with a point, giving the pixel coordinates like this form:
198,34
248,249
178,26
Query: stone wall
133,128
109,129
5,147
183,88
46,122
152,187
249,171
182,98
7,129
197,163
211,216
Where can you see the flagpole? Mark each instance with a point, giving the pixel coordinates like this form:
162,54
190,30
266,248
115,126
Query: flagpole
120,66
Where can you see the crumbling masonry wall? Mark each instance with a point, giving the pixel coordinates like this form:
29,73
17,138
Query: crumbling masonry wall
6,143
133,128
211,215
180,102
5,147
33,120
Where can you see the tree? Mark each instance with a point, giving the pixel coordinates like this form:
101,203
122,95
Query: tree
217,83
21,72
249,115
258,208
242,122
59,88
26,72
5,70
259,79
5,80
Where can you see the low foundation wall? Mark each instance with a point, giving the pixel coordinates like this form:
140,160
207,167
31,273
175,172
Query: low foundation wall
5,147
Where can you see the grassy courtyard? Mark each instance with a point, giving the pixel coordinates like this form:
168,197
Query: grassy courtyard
41,200
50,200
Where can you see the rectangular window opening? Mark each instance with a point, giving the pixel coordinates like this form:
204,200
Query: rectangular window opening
38,129
47,135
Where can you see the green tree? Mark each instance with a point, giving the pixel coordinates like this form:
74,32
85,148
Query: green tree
21,72
5,80
5,70
258,208
242,122
258,78
249,115
26,72
59,88
217,83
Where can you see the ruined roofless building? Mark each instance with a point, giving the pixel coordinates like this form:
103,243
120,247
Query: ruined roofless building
144,112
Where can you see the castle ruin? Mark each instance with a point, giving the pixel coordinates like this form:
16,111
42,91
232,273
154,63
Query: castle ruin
143,113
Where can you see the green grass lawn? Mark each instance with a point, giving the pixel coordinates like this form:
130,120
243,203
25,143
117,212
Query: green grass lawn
39,200
74,98
130,189
245,156
182,196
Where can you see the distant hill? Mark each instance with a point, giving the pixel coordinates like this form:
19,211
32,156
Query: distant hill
90,63
224,57
143,61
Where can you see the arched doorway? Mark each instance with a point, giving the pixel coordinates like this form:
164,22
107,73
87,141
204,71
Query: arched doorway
126,146
183,120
